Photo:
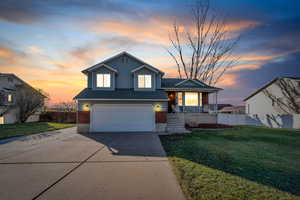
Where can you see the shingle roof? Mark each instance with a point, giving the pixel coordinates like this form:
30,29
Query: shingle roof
129,94
174,83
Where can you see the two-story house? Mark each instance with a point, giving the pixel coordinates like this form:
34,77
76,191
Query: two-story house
9,88
125,94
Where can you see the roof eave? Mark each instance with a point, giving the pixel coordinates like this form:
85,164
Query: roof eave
103,99
192,89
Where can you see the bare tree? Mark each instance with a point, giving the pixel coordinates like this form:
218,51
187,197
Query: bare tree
204,49
290,102
65,106
28,100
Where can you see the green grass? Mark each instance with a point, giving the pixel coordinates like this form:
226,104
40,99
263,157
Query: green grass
246,163
12,130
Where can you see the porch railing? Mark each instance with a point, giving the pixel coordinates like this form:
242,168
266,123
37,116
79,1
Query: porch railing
189,109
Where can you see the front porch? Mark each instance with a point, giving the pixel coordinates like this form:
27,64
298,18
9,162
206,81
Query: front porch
189,102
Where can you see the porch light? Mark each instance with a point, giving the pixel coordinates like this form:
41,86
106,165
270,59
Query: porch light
157,107
86,107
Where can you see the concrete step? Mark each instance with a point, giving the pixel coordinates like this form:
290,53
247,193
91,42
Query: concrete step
181,123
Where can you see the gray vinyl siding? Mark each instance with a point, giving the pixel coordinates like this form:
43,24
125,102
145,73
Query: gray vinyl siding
124,65
124,79
90,79
158,81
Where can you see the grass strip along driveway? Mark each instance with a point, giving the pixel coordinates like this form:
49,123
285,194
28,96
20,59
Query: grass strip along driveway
246,163
12,130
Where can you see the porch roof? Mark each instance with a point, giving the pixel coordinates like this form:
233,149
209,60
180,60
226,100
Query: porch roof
122,94
177,84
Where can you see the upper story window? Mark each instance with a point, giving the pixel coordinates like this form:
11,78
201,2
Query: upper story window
103,80
144,81
9,98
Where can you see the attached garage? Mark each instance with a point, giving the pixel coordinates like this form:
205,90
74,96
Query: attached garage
122,118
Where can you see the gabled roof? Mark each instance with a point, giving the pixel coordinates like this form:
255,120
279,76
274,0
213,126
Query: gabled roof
268,84
121,94
192,80
113,57
23,82
178,83
107,67
147,67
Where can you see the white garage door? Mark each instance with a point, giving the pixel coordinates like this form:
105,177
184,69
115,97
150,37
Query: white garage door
122,117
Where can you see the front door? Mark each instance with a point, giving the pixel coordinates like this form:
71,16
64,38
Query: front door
171,101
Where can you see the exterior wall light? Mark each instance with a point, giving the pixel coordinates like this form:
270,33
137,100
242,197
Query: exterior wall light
157,107
86,107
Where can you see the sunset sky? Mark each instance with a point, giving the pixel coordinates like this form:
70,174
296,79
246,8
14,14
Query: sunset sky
48,43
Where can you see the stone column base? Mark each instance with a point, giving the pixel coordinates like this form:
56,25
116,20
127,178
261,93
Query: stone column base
83,128
160,127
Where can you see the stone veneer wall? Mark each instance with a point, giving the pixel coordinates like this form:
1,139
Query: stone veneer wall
83,121
193,119
160,121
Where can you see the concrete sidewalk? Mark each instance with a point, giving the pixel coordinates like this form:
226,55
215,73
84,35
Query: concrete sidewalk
66,165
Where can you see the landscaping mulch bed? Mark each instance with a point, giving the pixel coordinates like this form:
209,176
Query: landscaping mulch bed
210,126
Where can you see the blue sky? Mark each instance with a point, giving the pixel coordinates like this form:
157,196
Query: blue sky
48,43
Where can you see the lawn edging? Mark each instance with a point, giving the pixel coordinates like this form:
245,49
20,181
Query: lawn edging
8,131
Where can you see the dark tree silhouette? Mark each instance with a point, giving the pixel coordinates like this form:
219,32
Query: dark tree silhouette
290,103
204,50
28,100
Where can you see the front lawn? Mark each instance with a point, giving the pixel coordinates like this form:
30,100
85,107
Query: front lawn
247,163
12,130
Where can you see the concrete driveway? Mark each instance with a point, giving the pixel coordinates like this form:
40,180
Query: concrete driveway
65,165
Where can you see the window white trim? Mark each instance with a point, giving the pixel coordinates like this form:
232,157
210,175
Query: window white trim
103,80
180,98
144,81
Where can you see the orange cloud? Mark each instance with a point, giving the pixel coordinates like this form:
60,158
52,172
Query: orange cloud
245,67
35,49
5,53
255,57
228,79
240,25
155,30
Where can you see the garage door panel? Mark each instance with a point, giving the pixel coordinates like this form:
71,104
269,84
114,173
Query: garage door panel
122,118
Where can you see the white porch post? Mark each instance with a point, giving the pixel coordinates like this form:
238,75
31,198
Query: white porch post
216,103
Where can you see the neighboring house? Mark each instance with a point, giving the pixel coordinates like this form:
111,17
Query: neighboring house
233,110
279,96
9,84
126,94
220,106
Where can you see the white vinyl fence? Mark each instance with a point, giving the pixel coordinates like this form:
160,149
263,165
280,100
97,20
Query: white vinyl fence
269,120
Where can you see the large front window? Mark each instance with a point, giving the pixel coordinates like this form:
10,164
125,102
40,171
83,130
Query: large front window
103,80
144,81
9,98
191,99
